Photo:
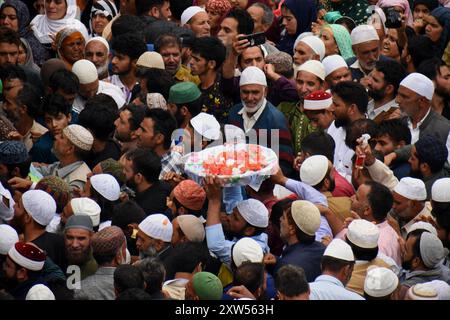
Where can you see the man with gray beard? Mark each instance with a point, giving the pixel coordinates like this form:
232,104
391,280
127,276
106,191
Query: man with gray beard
154,236
97,51
77,244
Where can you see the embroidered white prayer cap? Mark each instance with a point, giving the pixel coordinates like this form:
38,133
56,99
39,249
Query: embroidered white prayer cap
40,206
339,249
254,212
306,216
88,207
247,250
364,33
313,66
252,75
99,39
332,63
189,13
420,84
422,291
314,169
422,225
192,227
411,188
380,282
440,191
206,125
157,226
8,237
315,43
85,70
106,185
40,292
363,234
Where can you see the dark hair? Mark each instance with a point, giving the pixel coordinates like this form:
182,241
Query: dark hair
359,127
194,107
178,6
28,96
128,276
178,205
363,253
430,4
291,281
11,71
106,205
55,104
430,67
65,80
420,48
167,40
416,246
98,116
394,72
441,212
244,20
133,294
126,24
102,258
301,236
211,49
8,35
333,264
164,123
24,168
144,6
277,210
249,275
352,93
159,81
154,273
319,143
126,213
185,257
145,162
268,16
396,129
136,117
130,45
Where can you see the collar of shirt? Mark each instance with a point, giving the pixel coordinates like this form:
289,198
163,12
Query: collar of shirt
410,126
327,278
373,112
249,122
115,80
356,65
66,170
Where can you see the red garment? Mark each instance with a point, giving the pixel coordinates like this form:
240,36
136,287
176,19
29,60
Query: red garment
343,187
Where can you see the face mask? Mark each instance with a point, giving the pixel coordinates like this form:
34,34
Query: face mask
260,104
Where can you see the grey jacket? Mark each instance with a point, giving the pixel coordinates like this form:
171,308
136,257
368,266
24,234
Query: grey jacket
99,286
421,276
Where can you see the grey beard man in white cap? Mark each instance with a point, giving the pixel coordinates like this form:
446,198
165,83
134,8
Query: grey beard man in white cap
97,51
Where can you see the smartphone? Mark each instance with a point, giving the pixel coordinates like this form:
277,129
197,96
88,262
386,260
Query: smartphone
255,39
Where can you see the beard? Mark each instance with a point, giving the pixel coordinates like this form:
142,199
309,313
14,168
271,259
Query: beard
131,184
124,72
377,95
102,69
150,252
179,117
341,122
260,104
77,257
122,137
443,92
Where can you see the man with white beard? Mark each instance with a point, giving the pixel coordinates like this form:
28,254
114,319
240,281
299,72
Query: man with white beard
268,123
97,51
154,236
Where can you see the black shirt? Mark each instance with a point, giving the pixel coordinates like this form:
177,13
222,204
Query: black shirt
153,200
112,150
53,245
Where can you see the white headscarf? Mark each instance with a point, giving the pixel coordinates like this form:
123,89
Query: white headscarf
43,27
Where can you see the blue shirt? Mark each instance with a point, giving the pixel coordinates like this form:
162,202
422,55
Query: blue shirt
330,288
306,256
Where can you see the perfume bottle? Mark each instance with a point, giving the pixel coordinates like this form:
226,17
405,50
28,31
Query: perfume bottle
360,158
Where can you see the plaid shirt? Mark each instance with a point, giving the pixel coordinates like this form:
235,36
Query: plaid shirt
170,161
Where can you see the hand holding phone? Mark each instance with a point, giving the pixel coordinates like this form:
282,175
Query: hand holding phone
255,39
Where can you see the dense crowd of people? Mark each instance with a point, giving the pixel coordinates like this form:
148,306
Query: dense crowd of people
104,101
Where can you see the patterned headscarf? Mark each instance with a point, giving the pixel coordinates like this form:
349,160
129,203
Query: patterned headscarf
64,36
57,188
343,40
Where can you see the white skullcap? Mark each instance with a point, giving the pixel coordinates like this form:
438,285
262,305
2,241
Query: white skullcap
313,66
88,207
314,169
247,250
422,225
99,39
192,227
85,70
40,292
206,125
332,63
79,136
364,33
380,282
339,249
189,13
116,94
39,205
6,212
316,44
252,75
301,36
363,234
440,191
442,289
254,212
431,250
306,216
151,59
8,237
157,226
422,291
420,84
106,185
412,189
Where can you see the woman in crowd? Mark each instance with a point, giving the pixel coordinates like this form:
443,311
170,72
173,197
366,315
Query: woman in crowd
438,28
69,45
337,40
217,9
